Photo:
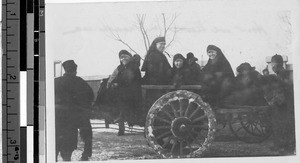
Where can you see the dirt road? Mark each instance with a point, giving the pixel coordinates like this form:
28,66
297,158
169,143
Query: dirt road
108,146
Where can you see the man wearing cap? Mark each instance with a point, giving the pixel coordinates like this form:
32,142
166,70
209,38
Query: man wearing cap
282,103
73,99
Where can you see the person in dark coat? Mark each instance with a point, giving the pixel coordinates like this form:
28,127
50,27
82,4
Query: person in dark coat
266,72
73,99
217,76
128,87
156,66
247,89
194,67
137,60
181,75
280,96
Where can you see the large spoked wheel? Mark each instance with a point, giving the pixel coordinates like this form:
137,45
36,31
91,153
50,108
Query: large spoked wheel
251,127
179,124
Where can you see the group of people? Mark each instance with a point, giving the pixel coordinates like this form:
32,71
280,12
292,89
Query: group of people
74,97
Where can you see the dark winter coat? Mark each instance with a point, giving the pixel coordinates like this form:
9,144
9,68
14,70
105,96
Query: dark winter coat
156,66
195,71
72,96
183,75
217,77
280,97
247,90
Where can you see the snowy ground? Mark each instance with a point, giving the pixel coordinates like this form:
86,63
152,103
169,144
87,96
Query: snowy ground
133,146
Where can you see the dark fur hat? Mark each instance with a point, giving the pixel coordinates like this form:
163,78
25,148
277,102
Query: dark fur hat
69,66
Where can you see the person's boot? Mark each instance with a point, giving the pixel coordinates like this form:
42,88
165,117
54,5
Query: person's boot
121,129
106,123
66,155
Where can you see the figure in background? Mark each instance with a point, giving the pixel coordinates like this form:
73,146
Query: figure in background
247,89
137,60
73,100
194,68
128,88
156,66
279,93
266,72
217,76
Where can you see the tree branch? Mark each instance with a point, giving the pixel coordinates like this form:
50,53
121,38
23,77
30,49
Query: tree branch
173,38
118,38
141,22
165,27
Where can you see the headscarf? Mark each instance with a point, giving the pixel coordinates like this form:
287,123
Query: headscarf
151,49
244,66
178,56
219,64
124,52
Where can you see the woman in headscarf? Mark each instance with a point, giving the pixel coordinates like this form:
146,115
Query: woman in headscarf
217,76
127,84
156,66
179,70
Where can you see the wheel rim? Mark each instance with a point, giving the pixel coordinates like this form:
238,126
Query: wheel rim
250,129
178,122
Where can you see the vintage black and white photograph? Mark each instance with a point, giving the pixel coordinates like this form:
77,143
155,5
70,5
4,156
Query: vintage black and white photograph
149,80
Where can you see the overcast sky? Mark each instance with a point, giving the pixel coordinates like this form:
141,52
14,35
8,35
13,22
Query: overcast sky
246,31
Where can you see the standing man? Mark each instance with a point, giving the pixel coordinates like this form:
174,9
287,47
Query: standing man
283,120
73,99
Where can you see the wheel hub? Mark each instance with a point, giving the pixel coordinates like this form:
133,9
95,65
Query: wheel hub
180,127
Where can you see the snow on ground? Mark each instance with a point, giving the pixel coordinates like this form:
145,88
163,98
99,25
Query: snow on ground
133,145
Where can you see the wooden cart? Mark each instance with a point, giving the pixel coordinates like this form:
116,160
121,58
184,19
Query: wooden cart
180,124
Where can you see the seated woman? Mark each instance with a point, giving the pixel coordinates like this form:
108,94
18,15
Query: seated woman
216,76
247,89
156,66
125,91
181,74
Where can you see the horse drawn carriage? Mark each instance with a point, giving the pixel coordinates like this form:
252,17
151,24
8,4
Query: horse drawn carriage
180,124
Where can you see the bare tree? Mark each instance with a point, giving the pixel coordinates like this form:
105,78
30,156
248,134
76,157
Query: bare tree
168,27
116,36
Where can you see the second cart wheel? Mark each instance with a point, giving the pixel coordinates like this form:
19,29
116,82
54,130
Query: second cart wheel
251,127
179,124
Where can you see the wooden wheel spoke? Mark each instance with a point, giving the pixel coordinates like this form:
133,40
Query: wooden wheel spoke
239,129
164,134
181,148
173,146
187,110
168,114
167,142
181,108
195,111
204,126
174,109
191,136
164,120
190,147
260,132
161,127
199,118
195,132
